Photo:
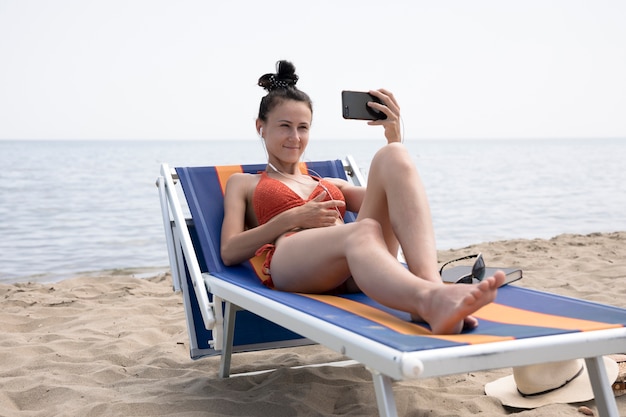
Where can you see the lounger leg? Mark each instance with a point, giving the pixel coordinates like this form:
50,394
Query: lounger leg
229,333
384,395
605,401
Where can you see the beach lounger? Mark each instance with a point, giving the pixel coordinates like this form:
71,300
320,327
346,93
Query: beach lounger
229,310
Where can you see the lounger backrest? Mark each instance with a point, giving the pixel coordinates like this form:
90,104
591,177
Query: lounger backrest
204,190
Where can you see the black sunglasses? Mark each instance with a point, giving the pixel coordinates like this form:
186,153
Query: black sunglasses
478,269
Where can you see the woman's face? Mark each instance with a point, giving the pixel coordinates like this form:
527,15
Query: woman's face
286,131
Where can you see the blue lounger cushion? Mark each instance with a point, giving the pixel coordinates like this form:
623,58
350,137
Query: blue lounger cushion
517,312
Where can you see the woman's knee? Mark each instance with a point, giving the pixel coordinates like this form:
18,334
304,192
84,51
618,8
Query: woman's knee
365,231
366,236
393,157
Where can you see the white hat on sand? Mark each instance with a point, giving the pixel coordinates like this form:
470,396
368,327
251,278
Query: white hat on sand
538,385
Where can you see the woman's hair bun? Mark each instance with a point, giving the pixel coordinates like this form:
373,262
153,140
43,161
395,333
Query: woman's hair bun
285,77
280,87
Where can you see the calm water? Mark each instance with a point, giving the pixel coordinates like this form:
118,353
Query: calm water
70,207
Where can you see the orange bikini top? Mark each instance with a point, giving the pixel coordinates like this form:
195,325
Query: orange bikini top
271,197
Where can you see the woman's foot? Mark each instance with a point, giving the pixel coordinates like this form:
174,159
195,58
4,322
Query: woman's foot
448,308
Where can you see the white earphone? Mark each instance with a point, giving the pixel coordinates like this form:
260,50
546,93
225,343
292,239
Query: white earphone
261,132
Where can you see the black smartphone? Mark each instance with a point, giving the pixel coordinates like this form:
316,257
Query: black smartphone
354,104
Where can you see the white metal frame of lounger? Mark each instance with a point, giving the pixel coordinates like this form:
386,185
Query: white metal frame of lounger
386,364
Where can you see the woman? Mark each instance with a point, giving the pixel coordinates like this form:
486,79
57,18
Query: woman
285,213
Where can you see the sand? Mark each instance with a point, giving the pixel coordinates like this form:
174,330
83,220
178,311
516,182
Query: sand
116,345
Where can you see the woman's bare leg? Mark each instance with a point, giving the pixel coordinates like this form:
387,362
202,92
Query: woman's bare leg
333,253
397,200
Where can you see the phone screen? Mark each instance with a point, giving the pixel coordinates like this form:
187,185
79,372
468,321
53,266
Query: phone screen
354,106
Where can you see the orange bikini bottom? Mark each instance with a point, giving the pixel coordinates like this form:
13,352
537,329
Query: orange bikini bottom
269,249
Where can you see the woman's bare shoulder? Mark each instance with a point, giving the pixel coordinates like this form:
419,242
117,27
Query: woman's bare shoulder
339,182
242,182
342,184
242,178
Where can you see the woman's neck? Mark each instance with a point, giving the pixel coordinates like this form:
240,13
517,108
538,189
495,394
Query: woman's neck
289,170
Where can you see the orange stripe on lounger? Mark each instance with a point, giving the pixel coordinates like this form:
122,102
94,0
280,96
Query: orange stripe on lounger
505,314
399,325
224,173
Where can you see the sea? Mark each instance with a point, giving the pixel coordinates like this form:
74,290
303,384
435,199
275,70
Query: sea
81,207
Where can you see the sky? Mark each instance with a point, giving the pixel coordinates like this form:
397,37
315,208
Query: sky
187,69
